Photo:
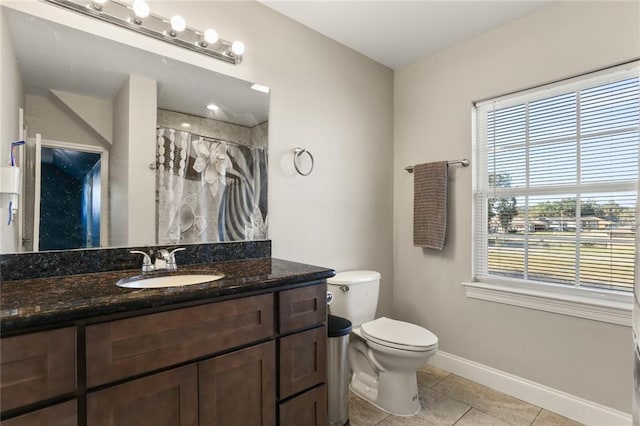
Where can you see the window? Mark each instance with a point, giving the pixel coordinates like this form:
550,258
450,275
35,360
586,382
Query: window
555,185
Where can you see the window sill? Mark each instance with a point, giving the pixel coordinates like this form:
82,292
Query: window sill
575,303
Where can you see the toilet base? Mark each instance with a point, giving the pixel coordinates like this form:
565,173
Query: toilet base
393,392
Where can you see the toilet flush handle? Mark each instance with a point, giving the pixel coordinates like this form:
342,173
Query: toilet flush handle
344,288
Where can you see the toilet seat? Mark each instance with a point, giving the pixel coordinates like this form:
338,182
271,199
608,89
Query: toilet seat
399,335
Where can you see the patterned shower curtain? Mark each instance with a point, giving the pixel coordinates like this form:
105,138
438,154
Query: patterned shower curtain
209,190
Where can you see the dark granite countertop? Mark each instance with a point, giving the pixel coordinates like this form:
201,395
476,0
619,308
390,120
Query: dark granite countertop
39,302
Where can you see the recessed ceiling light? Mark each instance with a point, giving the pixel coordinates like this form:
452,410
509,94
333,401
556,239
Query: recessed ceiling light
213,107
260,88
185,125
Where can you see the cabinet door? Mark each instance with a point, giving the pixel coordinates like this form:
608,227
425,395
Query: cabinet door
65,414
169,398
37,366
309,409
238,389
303,361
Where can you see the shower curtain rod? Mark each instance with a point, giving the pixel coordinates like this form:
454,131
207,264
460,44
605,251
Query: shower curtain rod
464,163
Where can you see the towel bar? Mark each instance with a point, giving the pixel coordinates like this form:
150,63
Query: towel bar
464,163
297,153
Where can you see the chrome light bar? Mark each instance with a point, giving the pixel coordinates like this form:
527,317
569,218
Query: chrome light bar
142,21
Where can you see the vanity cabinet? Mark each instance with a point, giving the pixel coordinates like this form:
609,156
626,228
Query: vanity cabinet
303,356
254,360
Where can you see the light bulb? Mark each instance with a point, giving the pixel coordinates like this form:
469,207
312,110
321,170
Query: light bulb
141,9
210,35
237,48
178,23
97,4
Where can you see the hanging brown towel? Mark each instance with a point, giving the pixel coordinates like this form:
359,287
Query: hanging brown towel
430,204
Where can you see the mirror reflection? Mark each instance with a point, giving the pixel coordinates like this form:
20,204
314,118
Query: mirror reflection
125,147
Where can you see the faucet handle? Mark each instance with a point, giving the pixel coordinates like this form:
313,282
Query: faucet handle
171,261
146,261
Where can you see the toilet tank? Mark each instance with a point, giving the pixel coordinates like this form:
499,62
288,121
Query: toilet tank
355,295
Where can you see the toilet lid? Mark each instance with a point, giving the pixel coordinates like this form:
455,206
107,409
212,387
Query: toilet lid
398,334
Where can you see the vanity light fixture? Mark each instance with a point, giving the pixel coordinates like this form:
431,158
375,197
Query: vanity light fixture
137,16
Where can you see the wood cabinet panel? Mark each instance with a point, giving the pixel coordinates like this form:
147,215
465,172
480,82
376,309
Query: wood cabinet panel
164,399
302,307
303,361
309,409
127,347
37,366
65,414
239,388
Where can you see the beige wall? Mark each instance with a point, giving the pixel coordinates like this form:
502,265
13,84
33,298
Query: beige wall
11,99
433,104
132,197
337,104
54,121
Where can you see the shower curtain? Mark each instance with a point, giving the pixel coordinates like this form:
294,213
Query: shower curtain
209,190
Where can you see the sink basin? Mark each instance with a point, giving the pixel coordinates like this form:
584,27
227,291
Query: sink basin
167,280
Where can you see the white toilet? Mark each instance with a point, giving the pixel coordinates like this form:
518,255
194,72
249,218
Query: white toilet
384,354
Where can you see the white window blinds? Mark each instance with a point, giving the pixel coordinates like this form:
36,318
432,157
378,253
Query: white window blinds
555,183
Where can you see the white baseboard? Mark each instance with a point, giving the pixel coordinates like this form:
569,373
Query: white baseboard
573,407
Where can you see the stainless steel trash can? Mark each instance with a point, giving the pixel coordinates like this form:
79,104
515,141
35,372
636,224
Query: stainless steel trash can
338,330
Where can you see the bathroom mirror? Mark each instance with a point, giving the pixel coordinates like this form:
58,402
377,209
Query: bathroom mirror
146,149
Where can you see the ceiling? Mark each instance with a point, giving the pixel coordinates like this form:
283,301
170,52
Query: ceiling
398,33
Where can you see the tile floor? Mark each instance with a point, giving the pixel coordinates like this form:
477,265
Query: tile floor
448,399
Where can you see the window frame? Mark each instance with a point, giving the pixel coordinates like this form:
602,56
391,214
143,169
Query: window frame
604,305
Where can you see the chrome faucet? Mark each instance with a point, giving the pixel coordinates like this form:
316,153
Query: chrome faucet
165,260
147,266
169,258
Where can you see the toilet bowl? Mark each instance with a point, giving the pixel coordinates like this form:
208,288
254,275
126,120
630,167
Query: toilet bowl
384,354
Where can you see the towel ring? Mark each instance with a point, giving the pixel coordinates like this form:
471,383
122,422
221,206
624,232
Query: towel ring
298,152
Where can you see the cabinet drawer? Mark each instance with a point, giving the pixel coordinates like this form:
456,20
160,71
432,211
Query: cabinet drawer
65,414
308,409
169,398
131,346
37,366
303,361
302,307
